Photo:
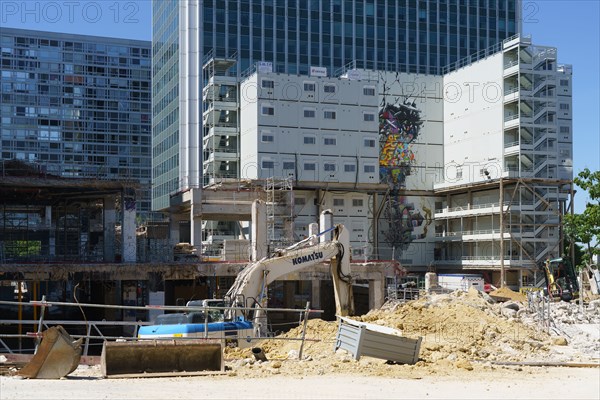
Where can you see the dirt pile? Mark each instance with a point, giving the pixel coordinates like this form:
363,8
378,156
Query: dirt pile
506,293
460,331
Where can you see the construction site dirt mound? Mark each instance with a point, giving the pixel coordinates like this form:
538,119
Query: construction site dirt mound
461,331
506,293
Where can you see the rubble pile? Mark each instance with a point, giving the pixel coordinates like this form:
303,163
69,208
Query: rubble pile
579,326
460,330
464,326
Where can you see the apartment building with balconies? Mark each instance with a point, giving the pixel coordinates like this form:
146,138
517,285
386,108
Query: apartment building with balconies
508,146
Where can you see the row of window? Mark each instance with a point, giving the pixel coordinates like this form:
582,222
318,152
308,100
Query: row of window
337,202
311,87
268,110
48,44
327,141
311,166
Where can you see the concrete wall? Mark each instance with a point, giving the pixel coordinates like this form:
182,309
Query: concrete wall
473,121
286,132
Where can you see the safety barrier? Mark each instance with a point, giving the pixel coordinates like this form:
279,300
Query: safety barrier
540,305
94,330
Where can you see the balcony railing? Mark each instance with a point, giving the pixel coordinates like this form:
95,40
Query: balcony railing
476,258
471,207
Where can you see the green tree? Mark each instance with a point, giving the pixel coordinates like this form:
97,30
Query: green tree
584,228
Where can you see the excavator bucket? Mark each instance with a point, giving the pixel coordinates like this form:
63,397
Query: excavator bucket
57,356
146,358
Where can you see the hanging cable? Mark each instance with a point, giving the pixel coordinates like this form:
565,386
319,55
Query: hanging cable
80,308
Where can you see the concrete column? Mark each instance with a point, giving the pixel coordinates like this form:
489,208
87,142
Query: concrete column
128,237
313,230
174,229
376,292
51,232
315,301
259,230
196,220
502,270
520,278
110,219
325,223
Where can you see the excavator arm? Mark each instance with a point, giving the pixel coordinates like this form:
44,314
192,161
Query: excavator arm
251,283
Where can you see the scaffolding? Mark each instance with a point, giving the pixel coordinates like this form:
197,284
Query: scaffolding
220,120
280,210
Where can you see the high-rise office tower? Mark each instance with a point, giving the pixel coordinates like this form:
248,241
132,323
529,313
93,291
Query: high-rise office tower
77,105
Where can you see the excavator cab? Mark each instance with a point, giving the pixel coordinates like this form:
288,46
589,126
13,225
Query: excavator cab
561,280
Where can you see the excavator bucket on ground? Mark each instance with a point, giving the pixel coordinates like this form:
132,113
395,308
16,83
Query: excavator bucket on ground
146,358
57,356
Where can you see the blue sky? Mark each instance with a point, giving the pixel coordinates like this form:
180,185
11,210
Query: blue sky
570,25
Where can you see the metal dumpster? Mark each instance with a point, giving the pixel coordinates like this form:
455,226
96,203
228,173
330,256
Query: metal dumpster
363,339
146,358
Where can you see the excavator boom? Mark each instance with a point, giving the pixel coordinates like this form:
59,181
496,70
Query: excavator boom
253,280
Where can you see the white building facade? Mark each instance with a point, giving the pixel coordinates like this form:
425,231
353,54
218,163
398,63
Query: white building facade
313,129
508,165
469,170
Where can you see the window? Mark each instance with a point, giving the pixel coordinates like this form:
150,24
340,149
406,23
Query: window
329,141
267,84
300,201
310,140
564,129
267,110
564,106
289,165
309,86
338,202
329,88
330,167
268,138
368,117
369,169
357,202
309,166
309,113
267,164
369,91
369,142
349,168
564,82
329,114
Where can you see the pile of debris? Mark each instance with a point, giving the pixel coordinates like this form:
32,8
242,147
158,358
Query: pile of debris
464,330
578,325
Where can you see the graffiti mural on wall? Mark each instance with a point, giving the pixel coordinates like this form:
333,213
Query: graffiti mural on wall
399,127
406,223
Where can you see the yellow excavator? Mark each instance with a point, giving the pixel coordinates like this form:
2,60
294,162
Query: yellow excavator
185,343
561,280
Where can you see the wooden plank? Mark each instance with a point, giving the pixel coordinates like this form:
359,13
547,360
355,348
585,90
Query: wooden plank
166,374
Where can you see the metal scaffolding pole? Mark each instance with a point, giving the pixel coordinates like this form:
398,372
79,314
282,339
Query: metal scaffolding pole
502,271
